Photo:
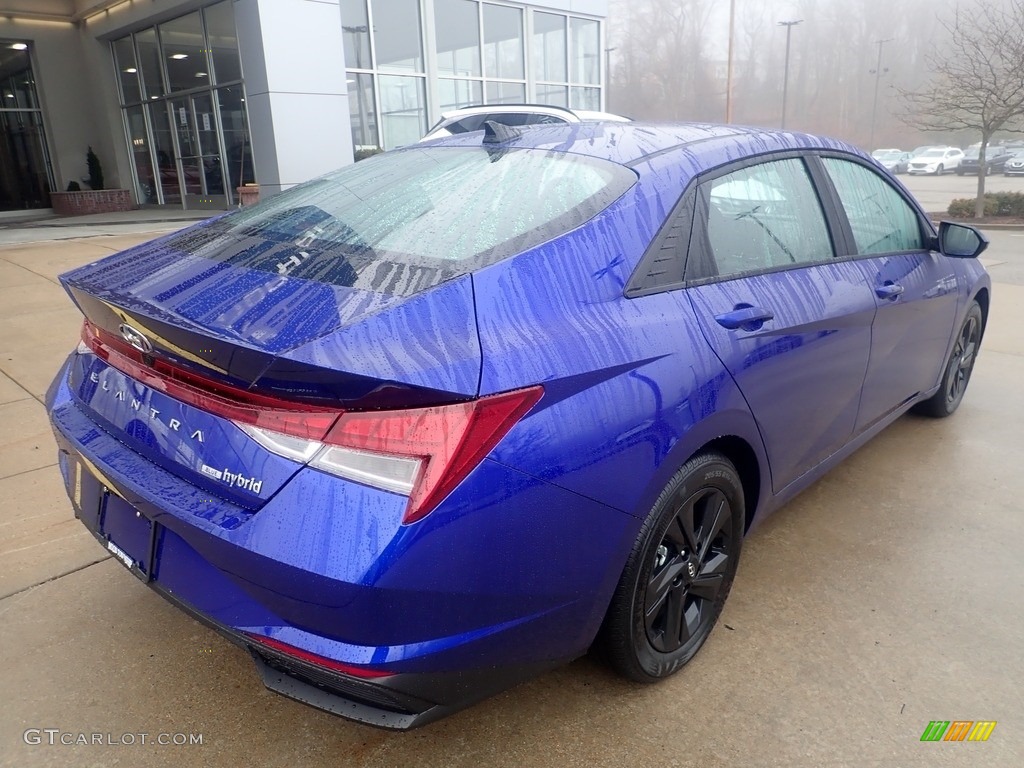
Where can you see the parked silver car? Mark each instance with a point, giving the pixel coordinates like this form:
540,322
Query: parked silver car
473,118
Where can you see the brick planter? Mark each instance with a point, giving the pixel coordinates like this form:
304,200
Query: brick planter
91,201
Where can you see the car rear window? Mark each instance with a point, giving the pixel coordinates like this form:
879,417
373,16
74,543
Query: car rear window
404,221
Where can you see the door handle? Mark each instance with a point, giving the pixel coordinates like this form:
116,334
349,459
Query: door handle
890,291
745,318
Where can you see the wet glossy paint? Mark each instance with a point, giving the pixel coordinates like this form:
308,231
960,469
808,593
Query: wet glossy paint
516,567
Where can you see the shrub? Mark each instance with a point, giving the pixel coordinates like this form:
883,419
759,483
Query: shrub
362,154
996,204
95,169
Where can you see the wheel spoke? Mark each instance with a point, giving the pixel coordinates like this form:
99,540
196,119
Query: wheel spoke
659,587
707,587
676,630
709,530
676,534
968,357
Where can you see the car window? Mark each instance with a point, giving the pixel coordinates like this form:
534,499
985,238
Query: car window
510,118
763,217
402,222
882,221
545,120
466,124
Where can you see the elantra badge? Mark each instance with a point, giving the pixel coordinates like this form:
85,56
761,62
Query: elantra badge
136,338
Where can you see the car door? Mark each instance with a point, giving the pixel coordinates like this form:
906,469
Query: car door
915,289
792,325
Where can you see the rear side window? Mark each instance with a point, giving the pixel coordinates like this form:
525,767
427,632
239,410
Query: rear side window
404,221
762,217
881,220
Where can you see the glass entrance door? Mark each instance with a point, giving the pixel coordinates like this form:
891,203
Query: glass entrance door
199,155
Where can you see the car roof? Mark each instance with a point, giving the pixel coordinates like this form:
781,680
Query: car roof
633,143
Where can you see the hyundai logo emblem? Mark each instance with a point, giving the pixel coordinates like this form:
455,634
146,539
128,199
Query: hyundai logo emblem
136,338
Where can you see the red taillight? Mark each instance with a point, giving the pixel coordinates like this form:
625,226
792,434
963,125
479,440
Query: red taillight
448,440
422,453
319,661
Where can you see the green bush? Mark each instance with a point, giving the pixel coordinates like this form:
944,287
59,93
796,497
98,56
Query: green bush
362,154
996,204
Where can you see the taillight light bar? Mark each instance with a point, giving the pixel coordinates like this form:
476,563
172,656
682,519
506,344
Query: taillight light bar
240,405
422,453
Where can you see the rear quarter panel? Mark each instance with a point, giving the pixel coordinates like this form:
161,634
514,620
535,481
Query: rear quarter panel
631,386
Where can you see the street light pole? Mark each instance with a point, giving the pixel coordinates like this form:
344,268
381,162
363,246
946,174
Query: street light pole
728,66
785,78
878,76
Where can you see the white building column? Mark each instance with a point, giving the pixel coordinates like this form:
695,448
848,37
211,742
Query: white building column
293,63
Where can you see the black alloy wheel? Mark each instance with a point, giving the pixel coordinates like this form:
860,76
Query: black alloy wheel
959,367
679,573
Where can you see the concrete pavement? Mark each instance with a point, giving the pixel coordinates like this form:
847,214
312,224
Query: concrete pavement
886,596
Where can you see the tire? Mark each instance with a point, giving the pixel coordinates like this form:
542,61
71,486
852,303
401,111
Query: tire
940,170
678,574
957,372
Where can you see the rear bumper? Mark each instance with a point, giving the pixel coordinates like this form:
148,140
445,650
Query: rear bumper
477,597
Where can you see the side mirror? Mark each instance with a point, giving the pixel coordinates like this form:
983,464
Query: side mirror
961,241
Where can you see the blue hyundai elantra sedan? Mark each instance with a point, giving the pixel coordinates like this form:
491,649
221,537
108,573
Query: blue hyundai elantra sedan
420,429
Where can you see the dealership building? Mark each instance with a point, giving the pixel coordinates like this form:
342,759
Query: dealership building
183,101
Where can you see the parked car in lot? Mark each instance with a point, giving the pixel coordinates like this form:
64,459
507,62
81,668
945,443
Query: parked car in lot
895,161
470,119
424,427
937,161
995,161
1014,165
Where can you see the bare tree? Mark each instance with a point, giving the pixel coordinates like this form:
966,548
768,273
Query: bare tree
977,80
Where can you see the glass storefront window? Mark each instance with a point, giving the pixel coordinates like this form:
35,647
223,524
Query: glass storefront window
149,63
586,44
363,112
223,42
555,95
403,110
549,47
25,180
356,25
196,143
586,98
185,52
506,93
237,147
127,70
396,35
454,94
458,37
135,121
166,157
503,42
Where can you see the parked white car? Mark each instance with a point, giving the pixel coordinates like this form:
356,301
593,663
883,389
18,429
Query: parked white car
936,161
473,118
